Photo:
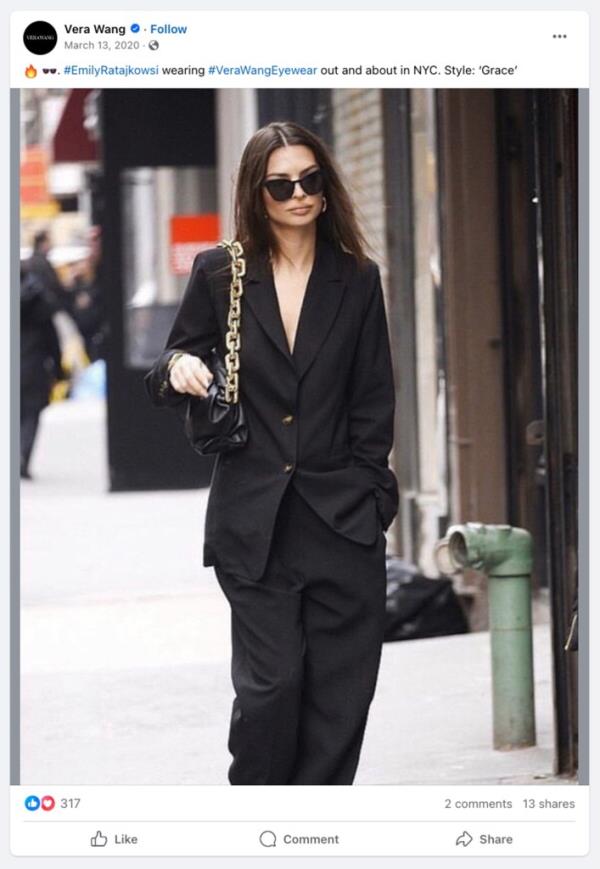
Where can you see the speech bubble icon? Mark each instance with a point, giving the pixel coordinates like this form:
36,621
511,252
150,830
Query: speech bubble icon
268,839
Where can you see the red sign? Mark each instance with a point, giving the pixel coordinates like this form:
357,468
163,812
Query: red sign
34,176
191,233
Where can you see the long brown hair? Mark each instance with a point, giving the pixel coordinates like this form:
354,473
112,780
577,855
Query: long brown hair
337,223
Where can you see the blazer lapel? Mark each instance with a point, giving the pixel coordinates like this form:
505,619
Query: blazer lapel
261,295
320,305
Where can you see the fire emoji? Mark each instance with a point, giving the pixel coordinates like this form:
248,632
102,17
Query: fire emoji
31,71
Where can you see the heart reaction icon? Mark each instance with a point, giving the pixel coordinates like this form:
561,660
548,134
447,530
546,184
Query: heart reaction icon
48,803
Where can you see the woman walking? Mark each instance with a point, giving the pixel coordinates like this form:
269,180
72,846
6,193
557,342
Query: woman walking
296,518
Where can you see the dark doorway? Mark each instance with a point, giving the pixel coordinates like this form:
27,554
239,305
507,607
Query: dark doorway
158,149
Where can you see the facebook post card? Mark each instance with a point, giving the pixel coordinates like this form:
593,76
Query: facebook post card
298,416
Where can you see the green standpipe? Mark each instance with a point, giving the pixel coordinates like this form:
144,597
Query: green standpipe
505,554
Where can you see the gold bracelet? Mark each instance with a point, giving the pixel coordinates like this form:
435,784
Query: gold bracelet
162,390
173,359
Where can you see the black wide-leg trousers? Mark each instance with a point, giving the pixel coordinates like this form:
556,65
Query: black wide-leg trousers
306,647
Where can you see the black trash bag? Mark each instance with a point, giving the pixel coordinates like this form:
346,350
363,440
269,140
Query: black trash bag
418,607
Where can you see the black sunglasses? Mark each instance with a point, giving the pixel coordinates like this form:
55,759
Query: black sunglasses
283,188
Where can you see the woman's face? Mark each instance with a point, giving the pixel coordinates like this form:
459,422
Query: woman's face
292,161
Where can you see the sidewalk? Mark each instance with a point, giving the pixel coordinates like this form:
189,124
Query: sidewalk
125,655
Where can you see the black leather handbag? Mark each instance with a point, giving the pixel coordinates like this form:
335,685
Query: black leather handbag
217,424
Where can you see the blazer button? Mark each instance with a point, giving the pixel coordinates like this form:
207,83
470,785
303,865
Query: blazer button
286,420
287,468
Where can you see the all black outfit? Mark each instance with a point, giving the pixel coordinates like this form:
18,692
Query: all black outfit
296,518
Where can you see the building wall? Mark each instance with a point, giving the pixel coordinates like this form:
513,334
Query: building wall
358,143
358,149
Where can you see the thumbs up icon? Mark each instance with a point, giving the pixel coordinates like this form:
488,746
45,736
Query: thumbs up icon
98,841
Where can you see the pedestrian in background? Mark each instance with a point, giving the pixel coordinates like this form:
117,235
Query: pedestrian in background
43,271
85,298
40,357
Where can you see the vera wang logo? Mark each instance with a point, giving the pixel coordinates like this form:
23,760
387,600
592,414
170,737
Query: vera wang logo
39,37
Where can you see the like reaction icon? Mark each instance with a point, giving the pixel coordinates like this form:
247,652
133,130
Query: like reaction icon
98,841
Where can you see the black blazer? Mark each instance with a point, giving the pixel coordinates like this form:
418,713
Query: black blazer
321,417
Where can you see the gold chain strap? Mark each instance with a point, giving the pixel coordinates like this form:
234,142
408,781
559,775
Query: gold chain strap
232,339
